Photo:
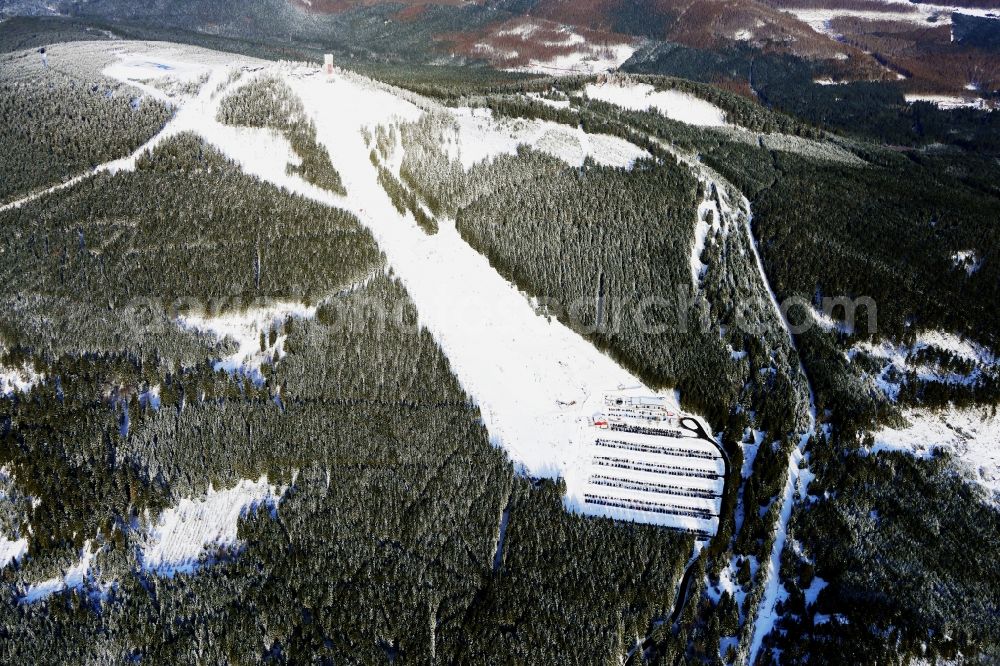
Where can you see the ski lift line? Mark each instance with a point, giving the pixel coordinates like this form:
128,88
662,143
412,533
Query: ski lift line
647,448
651,507
656,468
650,486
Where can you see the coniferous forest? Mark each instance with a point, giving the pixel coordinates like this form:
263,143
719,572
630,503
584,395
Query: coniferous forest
176,329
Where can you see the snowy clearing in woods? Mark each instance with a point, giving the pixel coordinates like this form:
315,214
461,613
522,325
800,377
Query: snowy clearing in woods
948,101
11,550
72,578
927,15
481,137
245,329
195,530
920,358
972,436
587,59
17,379
674,104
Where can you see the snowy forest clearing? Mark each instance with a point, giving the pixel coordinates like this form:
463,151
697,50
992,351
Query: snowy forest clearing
194,528
917,12
971,435
482,137
252,332
674,104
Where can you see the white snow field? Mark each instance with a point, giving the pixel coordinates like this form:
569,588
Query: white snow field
588,59
537,382
183,534
913,12
17,379
948,101
73,577
972,436
11,550
899,359
482,137
245,328
674,104
585,58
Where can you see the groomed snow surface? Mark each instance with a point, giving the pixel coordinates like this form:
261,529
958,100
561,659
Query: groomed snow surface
674,104
196,530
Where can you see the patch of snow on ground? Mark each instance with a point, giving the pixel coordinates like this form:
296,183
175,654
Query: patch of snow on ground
919,13
676,105
72,578
548,101
815,587
971,435
245,329
200,527
828,323
482,137
947,101
587,59
899,362
709,218
11,550
967,260
150,398
18,379
956,345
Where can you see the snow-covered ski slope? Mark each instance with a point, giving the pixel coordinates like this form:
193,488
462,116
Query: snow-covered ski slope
537,382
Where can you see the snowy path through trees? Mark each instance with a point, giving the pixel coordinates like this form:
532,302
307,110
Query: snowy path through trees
763,616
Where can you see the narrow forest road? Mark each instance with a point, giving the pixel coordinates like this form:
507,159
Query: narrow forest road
764,616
